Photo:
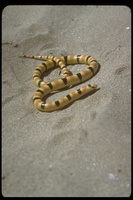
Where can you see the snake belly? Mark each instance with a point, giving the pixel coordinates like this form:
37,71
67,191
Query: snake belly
46,88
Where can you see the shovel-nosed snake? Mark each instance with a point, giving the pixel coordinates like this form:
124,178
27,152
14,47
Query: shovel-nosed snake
46,88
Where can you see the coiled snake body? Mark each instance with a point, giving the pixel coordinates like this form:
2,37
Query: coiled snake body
68,80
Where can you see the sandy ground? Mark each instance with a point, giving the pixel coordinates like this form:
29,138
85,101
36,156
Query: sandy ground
85,149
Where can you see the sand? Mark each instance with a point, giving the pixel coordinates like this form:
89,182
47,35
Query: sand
85,149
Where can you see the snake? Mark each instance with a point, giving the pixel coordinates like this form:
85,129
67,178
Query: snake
68,80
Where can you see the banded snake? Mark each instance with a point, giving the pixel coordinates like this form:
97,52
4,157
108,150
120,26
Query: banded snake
46,88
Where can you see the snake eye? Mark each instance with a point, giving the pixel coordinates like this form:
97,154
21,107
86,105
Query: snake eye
93,85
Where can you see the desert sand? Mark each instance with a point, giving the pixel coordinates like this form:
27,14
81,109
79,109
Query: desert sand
84,149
